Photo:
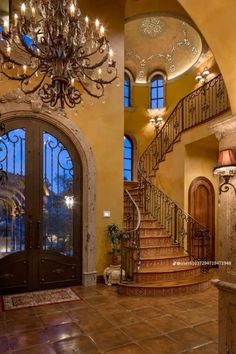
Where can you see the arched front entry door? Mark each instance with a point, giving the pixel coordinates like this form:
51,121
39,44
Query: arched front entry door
40,208
202,207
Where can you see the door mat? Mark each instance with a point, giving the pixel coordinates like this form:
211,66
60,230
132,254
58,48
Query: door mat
38,298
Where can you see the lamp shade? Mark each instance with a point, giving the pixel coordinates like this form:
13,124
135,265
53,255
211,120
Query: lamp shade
226,163
226,158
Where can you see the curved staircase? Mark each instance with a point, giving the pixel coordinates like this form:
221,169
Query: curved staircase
160,269
160,238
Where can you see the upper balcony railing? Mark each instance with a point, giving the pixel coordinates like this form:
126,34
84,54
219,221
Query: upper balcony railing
201,105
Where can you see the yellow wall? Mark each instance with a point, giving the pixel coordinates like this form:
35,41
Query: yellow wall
194,156
217,22
177,171
200,159
137,120
103,127
135,8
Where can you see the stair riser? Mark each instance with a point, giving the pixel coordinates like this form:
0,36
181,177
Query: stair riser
156,262
157,241
136,197
152,232
149,223
149,277
146,223
183,290
146,216
127,209
155,252
134,193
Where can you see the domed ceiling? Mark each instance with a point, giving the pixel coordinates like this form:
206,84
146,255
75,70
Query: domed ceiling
160,43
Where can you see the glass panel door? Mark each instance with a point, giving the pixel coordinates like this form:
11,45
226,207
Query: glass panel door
12,192
58,196
40,208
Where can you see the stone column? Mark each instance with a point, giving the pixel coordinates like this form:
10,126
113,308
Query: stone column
225,131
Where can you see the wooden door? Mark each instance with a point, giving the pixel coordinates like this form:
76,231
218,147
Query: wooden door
40,235
202,208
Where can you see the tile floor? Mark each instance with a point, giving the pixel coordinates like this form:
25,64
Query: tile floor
104,322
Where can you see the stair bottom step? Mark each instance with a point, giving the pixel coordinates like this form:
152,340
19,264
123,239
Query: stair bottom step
166,288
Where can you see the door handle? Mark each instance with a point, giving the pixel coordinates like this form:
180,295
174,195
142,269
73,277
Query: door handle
38,224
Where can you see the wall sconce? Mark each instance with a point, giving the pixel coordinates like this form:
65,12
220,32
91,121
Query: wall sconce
226,168
156,122
202,77
156,118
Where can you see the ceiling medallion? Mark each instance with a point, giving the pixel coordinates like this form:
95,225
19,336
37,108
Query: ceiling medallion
51,49
152,26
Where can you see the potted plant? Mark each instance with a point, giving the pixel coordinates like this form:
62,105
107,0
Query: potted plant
115,234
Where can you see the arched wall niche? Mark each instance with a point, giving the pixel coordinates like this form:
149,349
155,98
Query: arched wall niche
16,105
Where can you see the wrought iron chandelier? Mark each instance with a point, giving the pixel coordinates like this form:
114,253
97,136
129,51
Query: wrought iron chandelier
50,48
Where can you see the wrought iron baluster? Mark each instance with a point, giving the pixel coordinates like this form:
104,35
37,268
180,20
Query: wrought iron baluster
130,243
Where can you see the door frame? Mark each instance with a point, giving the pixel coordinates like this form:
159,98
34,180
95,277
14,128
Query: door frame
211,188
13,108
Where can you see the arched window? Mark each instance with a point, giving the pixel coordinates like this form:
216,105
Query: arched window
128,159
127,91
157,99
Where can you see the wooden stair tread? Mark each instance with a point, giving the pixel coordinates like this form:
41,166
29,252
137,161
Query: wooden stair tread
163,257
154,237
163,246
166,269
151,227
169,284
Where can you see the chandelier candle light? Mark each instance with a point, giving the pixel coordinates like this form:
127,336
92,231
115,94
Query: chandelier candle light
50,48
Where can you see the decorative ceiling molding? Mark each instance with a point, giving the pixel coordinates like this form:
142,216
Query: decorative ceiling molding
172,44
32,100
223,127
152,26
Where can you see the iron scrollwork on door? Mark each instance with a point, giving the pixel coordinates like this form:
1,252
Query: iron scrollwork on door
58,177
12,192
